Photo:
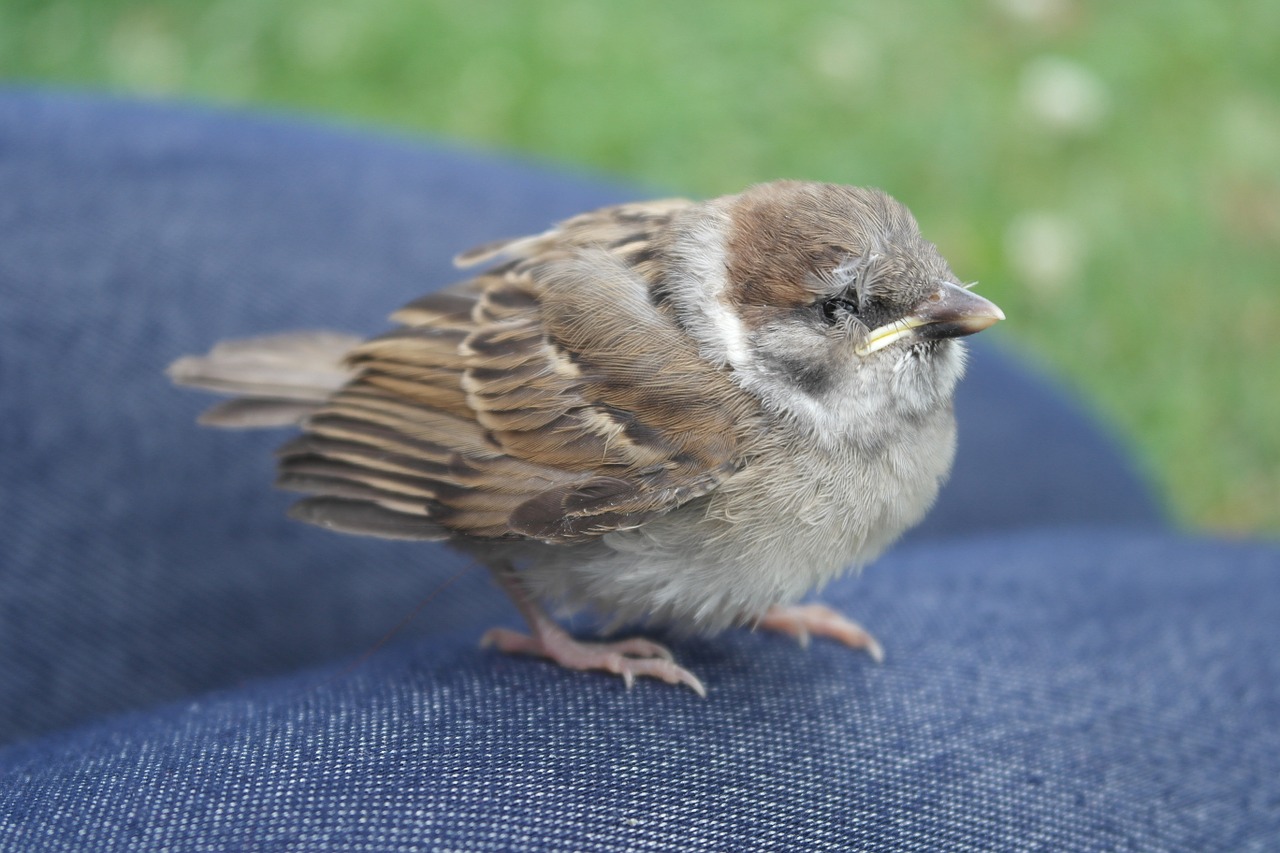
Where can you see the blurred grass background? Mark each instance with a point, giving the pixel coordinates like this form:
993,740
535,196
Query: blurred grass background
1109,171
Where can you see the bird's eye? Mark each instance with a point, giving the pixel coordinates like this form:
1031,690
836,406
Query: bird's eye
834,307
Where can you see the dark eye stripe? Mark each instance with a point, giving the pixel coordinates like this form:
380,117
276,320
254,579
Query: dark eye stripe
832,307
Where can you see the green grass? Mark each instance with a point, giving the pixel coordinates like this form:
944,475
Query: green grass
1134,245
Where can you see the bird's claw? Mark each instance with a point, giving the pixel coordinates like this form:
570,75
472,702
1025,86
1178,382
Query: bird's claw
634,656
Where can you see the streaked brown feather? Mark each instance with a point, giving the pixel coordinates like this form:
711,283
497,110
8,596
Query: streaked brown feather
365,518
244,413
545,398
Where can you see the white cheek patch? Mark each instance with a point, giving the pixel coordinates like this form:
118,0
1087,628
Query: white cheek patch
731,335
720,333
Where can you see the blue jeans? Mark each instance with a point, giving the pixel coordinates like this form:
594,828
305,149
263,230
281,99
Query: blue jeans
182,667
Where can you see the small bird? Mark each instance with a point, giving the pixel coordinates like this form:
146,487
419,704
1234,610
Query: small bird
667,412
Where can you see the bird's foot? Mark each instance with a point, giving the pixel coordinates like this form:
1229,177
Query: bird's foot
628,658
803,621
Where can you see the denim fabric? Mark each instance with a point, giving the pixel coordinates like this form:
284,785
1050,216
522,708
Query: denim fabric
1067,688
147,558
1070,690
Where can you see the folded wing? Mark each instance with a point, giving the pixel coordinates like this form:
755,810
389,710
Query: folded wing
548,398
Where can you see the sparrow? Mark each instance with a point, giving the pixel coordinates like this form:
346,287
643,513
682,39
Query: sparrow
674,413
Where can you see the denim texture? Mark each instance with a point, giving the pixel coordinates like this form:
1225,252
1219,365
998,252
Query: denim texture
1062,673
1052,691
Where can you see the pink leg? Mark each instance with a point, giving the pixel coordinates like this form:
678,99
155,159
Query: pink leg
628,658
805,620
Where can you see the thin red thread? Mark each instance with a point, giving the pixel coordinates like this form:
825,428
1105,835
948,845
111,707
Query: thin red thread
400,626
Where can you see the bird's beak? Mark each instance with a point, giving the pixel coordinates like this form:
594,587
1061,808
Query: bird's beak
949,312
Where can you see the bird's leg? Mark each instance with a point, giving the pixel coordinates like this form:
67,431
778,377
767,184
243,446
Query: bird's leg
628,658
803,621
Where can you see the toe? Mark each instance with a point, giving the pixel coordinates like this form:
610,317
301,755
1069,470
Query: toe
511,642
819,620
639,647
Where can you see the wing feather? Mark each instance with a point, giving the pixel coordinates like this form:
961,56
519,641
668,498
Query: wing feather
549,397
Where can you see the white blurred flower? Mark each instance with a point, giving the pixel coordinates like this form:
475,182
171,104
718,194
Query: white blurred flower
143,53
325,35
1248,131
846,55
1064,96
1040,13
1044,249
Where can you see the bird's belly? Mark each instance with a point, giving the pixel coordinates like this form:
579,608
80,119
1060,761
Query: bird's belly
769,535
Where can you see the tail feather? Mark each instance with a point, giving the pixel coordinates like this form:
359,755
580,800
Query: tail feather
277,380
244,413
